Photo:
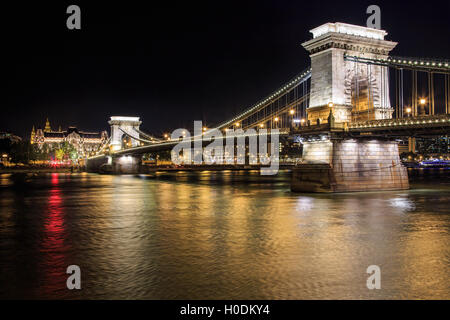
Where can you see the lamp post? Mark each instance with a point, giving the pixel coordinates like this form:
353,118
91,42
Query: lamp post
422,102
408,112
276,121
292,112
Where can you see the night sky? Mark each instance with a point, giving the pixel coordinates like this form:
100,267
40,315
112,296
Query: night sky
174,62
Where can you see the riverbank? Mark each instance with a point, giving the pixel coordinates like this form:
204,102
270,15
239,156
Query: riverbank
33,170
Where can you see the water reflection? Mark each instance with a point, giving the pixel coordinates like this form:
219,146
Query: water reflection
403,204
52,249
230,235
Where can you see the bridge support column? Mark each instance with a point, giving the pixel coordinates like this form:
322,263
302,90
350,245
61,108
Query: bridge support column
95,164
349,165
127,164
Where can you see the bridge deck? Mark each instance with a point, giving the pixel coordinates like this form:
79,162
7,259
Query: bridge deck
423,126
406,127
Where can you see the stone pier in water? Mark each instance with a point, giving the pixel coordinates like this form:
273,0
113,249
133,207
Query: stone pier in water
343,91
345,165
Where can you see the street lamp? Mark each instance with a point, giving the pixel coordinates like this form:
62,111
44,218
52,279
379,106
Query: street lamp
276,122
422,102
330,104
291,111
237,124
408,111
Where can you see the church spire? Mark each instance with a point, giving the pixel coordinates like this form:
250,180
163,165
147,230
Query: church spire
47,126
33,133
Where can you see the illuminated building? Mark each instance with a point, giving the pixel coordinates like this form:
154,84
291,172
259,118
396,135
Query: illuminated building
84,142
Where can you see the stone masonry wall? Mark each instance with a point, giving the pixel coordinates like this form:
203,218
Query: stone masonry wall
321,79
321,151
350,165
368,165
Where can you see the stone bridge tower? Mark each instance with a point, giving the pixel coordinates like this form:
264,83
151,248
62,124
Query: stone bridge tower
121,126
353,91
347,91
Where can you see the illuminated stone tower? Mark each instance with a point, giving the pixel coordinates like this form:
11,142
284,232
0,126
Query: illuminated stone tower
47,126
353,91
342,91
33,134
120,127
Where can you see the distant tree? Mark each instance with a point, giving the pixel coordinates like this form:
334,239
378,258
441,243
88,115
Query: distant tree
59,154
19,152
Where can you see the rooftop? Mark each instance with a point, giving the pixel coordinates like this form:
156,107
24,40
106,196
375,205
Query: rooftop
350,29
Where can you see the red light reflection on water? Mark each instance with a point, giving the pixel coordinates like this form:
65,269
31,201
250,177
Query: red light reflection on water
55,220
52,246
55,179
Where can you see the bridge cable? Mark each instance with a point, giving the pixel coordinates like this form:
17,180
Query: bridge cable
104,145
147,135
137,139
269,100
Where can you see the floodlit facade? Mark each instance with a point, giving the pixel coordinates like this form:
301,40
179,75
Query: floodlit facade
84,142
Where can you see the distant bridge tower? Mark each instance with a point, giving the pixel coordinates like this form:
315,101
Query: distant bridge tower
353,91
120,127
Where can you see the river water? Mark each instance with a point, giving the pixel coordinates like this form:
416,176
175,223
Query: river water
220,235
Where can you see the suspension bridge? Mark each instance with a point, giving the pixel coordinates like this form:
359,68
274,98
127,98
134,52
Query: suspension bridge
339,109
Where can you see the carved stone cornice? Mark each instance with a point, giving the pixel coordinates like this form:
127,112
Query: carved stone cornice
125,123
349,42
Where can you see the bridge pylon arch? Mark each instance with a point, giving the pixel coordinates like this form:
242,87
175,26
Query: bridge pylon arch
353,91
121,125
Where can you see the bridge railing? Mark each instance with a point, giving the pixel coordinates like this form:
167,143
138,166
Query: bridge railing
409,121
425,64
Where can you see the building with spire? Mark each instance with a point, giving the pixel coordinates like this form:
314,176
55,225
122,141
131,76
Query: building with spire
84,142
47,126
33,134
